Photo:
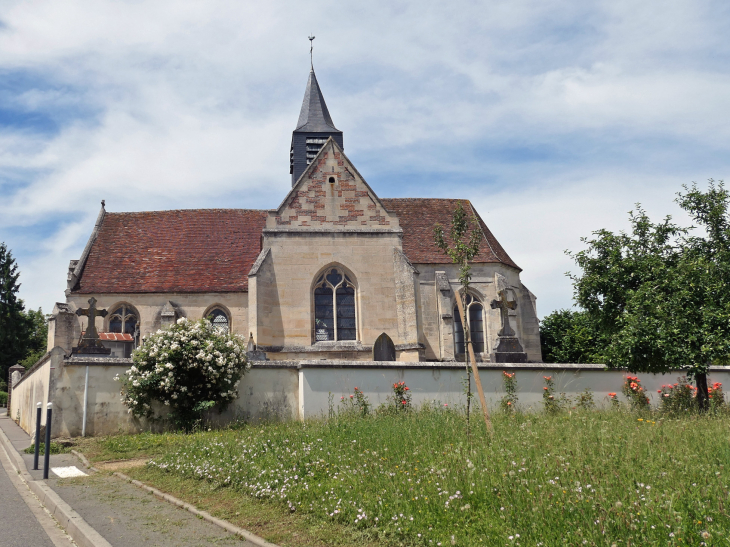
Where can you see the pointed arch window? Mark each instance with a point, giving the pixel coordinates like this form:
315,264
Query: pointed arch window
219,318
334,307
124,320
475,312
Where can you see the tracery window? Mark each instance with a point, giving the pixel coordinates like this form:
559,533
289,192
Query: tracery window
334,307
475,312
219,319
123,319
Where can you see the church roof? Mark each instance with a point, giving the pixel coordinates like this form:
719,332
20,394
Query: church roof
196,250
212,250
417,217
314,116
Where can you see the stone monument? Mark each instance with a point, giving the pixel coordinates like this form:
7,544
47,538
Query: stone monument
509,349
90,343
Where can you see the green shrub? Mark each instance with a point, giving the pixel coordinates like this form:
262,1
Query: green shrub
357,404
635,393
509,401
401,396
549,402
584,400
681,397
3,398
190,367
55,449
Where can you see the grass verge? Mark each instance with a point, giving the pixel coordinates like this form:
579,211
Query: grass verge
584,478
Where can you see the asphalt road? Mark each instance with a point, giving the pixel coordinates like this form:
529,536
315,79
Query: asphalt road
126,516
19,526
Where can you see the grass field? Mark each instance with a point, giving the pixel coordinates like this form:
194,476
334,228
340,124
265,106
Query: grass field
580,478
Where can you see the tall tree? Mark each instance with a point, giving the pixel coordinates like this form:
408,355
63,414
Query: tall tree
13,322
661,294
37,332
466,236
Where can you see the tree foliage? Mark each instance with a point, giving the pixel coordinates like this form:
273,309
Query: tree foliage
466,235
14,335
37,332
568,336
660,294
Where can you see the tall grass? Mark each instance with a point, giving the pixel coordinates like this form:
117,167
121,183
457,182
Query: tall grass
591,477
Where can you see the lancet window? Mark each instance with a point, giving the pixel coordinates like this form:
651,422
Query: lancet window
219,318
475,312
123,319
334,307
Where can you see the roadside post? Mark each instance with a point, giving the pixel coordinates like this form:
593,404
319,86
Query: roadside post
37,435
47,455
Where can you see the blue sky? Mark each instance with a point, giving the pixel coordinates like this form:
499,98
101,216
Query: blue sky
553,118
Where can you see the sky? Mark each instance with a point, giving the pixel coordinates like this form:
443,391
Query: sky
553,118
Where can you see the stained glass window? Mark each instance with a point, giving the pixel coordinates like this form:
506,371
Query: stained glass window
475,310
334,308
123,319
219,319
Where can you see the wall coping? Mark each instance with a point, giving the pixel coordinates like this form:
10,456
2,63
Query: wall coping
97,361
329,363
32,369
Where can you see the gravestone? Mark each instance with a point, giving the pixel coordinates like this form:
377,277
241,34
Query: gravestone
383,349
90,343
509,349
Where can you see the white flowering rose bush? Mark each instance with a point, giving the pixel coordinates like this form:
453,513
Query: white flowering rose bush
190,367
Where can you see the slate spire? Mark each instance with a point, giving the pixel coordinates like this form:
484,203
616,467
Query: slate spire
314,127
314,116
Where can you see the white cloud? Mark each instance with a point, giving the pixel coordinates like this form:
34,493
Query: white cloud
190,104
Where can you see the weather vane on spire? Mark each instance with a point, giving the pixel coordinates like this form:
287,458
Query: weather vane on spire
311,48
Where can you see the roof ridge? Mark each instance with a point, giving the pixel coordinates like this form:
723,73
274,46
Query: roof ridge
189,210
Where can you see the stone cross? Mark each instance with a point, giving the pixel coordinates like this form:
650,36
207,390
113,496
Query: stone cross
504,306
90,337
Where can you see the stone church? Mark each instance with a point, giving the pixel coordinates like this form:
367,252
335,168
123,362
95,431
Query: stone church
320,277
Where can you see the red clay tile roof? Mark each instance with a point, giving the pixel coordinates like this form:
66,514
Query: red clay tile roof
417,218
196,250
115,336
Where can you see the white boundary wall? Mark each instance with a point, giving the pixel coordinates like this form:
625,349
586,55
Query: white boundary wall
295,390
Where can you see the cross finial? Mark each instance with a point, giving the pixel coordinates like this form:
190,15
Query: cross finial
311,48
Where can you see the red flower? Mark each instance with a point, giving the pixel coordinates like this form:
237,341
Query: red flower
407,388
658,390
545,388
612,395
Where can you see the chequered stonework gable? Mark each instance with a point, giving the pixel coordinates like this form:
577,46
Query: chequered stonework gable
331,193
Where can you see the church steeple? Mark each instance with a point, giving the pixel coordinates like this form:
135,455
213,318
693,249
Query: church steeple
314,127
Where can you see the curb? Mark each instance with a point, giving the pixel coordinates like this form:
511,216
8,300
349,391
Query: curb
75,526
245,534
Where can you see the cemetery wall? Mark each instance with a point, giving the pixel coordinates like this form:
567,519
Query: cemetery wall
291,390
33,388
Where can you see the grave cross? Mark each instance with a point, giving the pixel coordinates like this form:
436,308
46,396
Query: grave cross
90,337
504,306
